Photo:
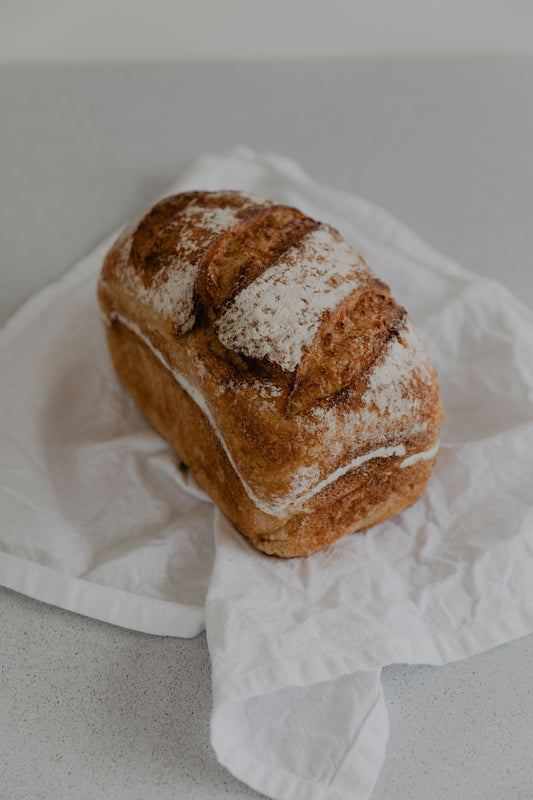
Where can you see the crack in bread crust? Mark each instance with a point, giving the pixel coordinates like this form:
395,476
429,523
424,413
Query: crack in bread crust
179,415
274,507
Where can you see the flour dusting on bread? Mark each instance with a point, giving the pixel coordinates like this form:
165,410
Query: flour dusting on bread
390,380
171,293
277,316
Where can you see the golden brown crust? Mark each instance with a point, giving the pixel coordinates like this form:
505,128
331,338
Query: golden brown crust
244,252
298,450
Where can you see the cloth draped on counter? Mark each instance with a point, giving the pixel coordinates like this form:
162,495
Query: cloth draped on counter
98,517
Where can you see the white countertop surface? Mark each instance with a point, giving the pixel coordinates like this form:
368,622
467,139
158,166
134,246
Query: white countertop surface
446,145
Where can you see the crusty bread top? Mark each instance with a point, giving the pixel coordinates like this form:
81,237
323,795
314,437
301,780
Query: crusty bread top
286,294
258,306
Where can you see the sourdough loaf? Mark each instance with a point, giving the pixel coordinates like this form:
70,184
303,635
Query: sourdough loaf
277,365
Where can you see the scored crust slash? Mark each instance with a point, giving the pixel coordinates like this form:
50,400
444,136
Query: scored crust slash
277,365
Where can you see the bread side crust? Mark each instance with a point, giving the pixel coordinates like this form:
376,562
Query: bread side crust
359,499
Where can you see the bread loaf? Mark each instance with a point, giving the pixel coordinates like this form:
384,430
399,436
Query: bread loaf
277,365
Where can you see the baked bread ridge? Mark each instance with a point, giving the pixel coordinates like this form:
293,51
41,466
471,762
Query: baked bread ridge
325,419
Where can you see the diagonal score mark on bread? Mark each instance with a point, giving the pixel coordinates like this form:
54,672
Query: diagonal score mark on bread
244,252
278,366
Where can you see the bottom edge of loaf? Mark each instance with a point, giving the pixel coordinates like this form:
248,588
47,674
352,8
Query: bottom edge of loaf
349,514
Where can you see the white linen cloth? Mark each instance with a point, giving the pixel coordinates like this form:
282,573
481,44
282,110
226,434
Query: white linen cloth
98,517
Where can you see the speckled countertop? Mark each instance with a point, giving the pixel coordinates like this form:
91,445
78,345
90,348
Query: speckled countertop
89,711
